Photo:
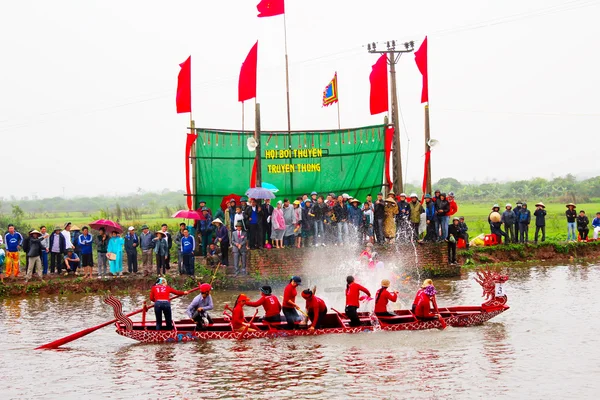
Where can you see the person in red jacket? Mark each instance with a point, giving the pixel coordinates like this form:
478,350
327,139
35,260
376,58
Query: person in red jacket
315,308
382,297
159,294
289,302
452,204
353,290
423,302
238,321
269,302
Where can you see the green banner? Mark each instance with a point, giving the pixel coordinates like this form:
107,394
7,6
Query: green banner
340,161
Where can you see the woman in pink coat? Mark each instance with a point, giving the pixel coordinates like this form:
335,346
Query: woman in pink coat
278,224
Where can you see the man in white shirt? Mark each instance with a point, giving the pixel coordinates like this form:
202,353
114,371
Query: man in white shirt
67,234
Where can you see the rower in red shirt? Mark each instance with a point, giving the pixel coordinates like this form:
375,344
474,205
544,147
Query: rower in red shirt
425,297
160,295
289,302
238,321
426,283
270,303
353,290
315,308
382,297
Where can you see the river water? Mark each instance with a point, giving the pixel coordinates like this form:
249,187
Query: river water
546,346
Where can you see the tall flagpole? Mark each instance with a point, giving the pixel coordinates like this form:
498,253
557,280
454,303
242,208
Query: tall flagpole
243,120
287,90
337,92
338,107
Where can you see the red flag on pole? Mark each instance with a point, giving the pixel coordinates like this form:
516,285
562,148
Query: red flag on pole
253,175
270,8
184,87
247,82
191,138
379,86
421,60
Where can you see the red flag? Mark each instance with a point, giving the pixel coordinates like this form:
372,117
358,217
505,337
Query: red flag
253,175
184,87
379,86
270,8
247,82
389,138
191,138
421,60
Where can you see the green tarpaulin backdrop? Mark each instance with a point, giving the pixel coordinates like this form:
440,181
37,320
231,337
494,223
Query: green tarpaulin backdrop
341,161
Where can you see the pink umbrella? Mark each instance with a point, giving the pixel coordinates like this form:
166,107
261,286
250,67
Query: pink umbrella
187,214
107,224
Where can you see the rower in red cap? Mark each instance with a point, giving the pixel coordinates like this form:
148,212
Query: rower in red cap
269,302
289,305
315,308
238,322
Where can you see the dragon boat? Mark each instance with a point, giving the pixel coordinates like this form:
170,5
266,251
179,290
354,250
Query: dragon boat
403,320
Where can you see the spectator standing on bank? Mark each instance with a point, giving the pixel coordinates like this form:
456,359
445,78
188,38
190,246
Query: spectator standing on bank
57,250
178,237
222,240
102,248
389,222
115,247
45,249
169,238
540,221
453,236
452,204
517,211
239,250
206,230
66,232
147,246
402,219
188,245
34,254
582,225
464,230
496,224
442,207
267,222
85,241
571,215
13,241
596,225
509,219
340,211
378,216
161,249
367,223
131,244
430,218
253,215
229,220
415,211
318,212
355,218
524,221
277,225
288,215
298,207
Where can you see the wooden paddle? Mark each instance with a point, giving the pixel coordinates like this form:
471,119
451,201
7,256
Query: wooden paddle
442,321
59,342
248,326
214,274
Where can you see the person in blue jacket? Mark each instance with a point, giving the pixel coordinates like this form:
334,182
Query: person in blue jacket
188,244
524,220
430,217
355,217
206,230
85,241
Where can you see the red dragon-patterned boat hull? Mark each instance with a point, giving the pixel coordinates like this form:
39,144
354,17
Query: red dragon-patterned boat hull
402,320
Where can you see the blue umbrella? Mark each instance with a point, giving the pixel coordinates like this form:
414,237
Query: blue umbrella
260,193
270,187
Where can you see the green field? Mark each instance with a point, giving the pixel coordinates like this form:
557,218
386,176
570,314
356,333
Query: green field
475,216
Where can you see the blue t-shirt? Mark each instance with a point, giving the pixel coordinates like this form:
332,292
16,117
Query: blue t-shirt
187,245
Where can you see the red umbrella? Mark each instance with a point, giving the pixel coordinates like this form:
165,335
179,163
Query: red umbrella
187,214
107,224
227,199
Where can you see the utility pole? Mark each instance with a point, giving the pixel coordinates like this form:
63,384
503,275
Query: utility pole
427,147
393,56
258,147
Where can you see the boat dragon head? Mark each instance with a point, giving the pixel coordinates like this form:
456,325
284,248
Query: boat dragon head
488,278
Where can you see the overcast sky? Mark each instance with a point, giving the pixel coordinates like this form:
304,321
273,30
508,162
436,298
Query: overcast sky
87,88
